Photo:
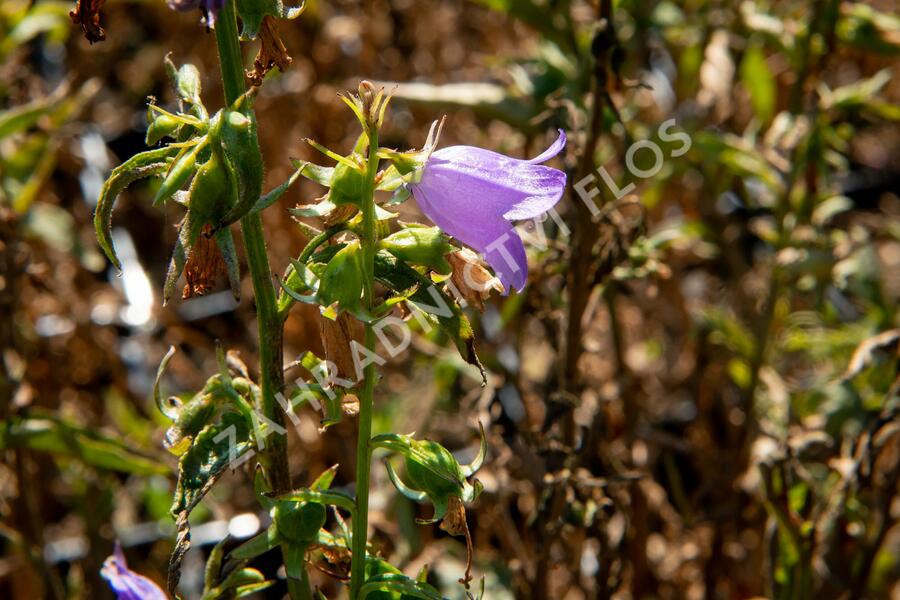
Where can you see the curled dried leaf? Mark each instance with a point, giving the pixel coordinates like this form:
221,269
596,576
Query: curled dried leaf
454,523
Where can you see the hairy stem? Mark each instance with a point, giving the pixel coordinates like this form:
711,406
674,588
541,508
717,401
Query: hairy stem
271,363
363,454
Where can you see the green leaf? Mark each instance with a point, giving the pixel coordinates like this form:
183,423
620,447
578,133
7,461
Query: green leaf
256,546
436,306
759,82
145,164
397,585
857,94
57,436
273,196
210,453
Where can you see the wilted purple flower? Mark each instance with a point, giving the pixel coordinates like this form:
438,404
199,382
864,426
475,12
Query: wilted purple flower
473,194
210,8
127,584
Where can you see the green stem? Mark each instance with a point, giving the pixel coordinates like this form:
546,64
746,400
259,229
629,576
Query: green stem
363,453
271,362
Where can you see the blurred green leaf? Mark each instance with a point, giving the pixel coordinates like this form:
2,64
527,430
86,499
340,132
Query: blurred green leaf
757,78
55,435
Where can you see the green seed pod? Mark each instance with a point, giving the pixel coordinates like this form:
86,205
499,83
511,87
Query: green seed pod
342,279
425,246
240,146
212,191
432,468
299,522
348,185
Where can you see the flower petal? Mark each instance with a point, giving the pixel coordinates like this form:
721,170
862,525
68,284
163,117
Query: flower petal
513,188
507,257
554,149
476,225
127,584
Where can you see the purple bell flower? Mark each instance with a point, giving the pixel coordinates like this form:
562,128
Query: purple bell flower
473,195
127,584
210,8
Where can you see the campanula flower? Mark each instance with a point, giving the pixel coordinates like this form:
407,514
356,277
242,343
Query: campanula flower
127,584
210,8
473,194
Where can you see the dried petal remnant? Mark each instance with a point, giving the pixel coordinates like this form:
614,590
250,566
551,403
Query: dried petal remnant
336,338
471,281
272,52
87,14
204,266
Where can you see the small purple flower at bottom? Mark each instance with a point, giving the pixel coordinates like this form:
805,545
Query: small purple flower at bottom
127,584
473,194
210,8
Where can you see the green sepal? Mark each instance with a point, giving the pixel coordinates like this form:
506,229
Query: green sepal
320,209
404,162
139,166
274,195
313,172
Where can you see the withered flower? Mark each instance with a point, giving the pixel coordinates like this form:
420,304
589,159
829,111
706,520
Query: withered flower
336,337
470,280
87,14
204,266
272,52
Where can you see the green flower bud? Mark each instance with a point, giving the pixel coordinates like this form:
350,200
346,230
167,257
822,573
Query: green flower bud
425,246
161,126
179,172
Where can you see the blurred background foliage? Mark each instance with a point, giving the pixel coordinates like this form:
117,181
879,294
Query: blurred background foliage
695,397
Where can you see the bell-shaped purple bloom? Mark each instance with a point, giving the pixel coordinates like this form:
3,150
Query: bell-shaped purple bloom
127,584
473,194
210,8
